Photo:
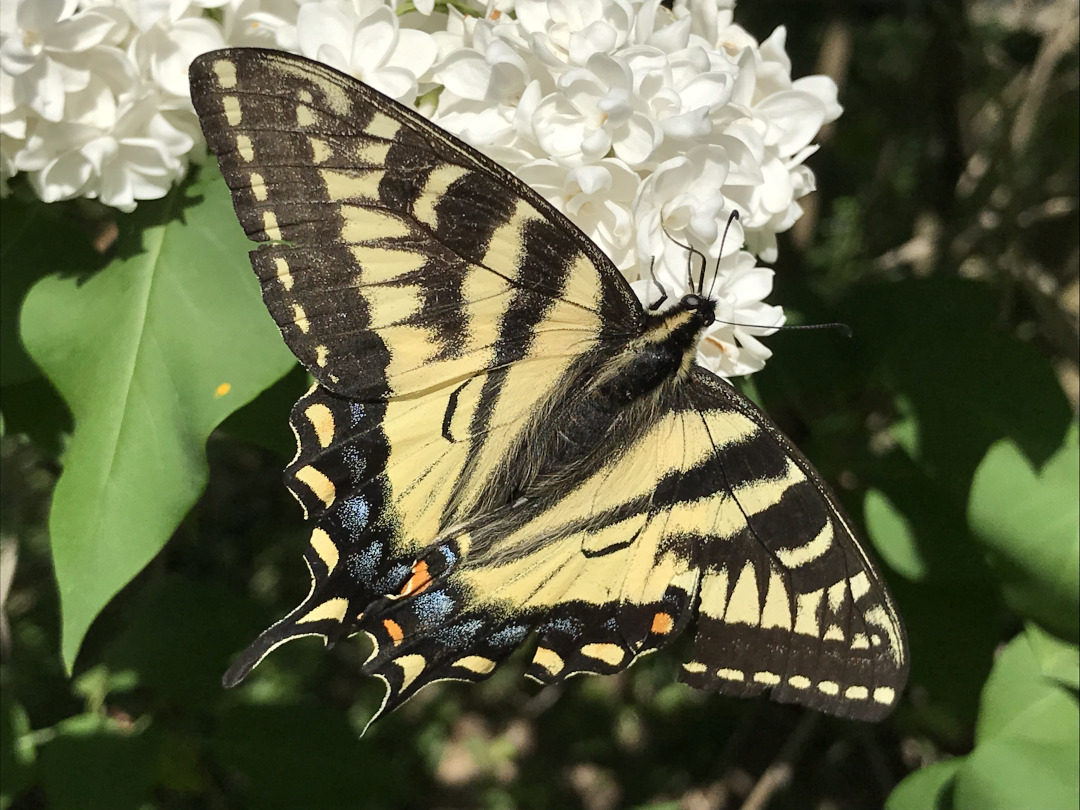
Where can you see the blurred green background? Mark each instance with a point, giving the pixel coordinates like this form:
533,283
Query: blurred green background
945,233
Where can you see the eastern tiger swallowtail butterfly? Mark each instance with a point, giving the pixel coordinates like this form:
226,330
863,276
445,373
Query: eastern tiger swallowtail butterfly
501,442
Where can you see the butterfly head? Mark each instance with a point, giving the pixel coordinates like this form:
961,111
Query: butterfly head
702,309
682,324
667,346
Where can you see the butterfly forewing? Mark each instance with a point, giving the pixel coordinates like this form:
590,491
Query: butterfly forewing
460,501
398,258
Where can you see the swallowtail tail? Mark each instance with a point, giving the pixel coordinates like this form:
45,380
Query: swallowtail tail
501,443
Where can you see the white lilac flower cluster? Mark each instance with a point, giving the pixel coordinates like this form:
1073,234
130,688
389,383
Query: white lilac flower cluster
647,126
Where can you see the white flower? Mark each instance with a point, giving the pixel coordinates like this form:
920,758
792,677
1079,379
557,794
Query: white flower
139,157
682,203
492,86
682,89
596,110
683,220
730,347
363,38
596,198
708,120
712,21
425,7
106,113
569,32
44,52
165,50
260,23
647,127
494,69
12,113
783,117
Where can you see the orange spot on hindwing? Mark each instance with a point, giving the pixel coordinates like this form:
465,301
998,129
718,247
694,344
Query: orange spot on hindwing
419,581
662,624
393,629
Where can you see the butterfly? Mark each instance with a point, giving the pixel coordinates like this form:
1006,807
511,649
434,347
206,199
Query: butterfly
501,443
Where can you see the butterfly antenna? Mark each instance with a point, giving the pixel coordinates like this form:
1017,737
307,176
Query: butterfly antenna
692,252
716,267
655,305
843,328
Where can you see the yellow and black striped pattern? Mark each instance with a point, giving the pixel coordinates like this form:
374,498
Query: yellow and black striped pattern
500,443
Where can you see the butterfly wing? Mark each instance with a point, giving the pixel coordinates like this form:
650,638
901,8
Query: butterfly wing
704,513
443,308
437,301
789,600
394,257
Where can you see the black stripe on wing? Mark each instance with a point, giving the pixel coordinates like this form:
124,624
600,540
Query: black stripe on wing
790,603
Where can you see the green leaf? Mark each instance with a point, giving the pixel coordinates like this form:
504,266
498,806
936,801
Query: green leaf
922,532
1030,521
262,422
926,789
936,344
1027,748
1057,659
168,634
893,536
937,355
35,240
150,355
249,744
93,764
1027,751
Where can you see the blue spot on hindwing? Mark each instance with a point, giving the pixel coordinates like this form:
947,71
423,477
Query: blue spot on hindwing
355,463
459,635
353,514
567,626
432,607
356,413
509,636
392,581
363,565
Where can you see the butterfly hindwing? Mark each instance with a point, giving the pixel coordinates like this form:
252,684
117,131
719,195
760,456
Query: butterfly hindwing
353,554
706,514
501,443
789,601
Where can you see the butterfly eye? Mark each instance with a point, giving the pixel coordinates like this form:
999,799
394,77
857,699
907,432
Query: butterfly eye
702,307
